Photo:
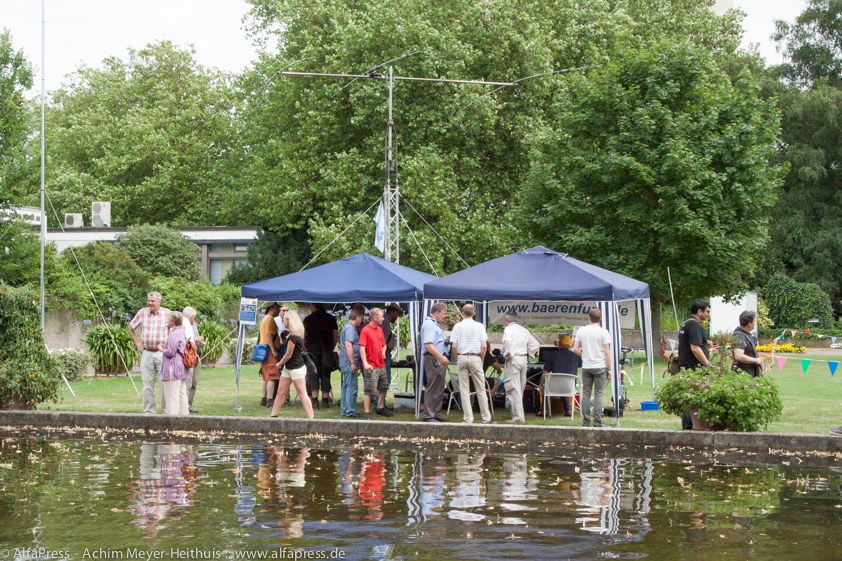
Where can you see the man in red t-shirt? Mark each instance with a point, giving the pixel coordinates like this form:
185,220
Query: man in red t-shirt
373,355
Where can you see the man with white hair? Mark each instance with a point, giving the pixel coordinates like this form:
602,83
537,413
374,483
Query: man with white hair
520,344
154,331
192,334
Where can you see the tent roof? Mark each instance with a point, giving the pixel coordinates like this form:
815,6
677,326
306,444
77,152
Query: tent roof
359,278
535,274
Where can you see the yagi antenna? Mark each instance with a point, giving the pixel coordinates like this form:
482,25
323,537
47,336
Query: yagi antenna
370,73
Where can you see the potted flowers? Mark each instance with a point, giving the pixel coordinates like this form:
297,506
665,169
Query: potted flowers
721,400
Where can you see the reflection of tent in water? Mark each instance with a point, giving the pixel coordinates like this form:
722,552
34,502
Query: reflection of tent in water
540,274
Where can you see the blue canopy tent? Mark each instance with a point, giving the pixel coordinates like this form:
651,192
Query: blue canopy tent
359,278
539,279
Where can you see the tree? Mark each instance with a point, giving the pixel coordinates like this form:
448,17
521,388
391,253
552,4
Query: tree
812,44
161,251
152,135
313,156
15,79
272,256
656,161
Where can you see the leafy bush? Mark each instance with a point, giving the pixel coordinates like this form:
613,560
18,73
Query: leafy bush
729,400
248,349
161,251
25,371
792,303
72,363
272,256
106,356
216,335
208,299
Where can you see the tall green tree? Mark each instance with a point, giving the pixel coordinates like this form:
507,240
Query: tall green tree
15,113
152,135
314,154
812,44
657,160
162,251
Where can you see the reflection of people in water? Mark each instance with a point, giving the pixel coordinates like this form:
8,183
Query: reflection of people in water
468,489
290,476
434,482
166,482
371,487
595,488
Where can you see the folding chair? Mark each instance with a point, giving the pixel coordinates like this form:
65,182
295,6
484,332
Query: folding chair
560,385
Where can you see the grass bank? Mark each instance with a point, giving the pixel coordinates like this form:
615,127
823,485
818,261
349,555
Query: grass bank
812,400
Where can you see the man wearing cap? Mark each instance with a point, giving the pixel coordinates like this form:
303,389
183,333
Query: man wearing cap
393,312
562,361
520,344
152,320
469,342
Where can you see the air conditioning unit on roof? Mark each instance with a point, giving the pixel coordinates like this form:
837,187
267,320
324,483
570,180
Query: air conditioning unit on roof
101,214
73,220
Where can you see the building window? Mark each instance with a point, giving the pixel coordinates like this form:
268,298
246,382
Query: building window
219,268
221,247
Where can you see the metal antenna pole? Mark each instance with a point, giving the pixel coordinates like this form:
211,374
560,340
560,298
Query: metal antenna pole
43,94
391,193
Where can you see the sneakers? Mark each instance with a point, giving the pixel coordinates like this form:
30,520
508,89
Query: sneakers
514,422
325,403
385,412
836,432
315,401
353,415
366,416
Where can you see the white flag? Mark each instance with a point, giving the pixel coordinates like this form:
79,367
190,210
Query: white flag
380,231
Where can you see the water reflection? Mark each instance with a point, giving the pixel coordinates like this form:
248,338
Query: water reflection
165,484
381,504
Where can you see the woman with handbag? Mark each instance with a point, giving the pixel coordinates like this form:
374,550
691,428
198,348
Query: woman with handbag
174,374
295,369
269,368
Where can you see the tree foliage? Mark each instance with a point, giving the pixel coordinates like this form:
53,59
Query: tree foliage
812,44
15,114
272,256
161,251
317,152
657,160
153,135
792,303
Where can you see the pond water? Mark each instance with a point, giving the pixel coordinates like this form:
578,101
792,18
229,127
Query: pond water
127,500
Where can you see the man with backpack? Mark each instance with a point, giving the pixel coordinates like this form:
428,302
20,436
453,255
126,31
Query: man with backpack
693,348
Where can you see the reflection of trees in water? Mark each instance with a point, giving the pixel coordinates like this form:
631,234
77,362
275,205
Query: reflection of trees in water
166,482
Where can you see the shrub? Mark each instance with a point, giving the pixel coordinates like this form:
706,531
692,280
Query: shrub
216,335
792,303
161,251
106,356
208,299
248,349
731,400
25,368
72,363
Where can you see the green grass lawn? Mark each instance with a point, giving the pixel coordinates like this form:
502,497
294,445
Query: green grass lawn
811,401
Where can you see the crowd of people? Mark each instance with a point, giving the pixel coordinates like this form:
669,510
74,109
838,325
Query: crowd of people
303,354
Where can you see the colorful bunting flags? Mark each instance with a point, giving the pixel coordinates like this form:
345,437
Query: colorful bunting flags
832,365
807,331
833,339
805,364
793,332
781,362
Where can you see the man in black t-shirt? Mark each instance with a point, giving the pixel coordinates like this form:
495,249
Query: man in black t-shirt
693,348
744,350
321,334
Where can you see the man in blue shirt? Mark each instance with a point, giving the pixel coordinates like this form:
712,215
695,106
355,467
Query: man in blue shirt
434,350
349,364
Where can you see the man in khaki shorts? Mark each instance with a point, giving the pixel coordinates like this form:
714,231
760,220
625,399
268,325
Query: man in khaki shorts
373,355
469,342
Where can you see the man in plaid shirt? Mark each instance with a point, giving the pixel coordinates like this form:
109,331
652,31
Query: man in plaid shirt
154,331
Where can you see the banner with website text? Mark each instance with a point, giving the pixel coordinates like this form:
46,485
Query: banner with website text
554,313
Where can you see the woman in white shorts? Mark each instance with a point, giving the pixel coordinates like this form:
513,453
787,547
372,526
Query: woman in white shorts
295,370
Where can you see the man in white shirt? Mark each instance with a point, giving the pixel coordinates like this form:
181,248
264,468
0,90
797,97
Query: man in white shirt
193,336
593,344
520,345
469,342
